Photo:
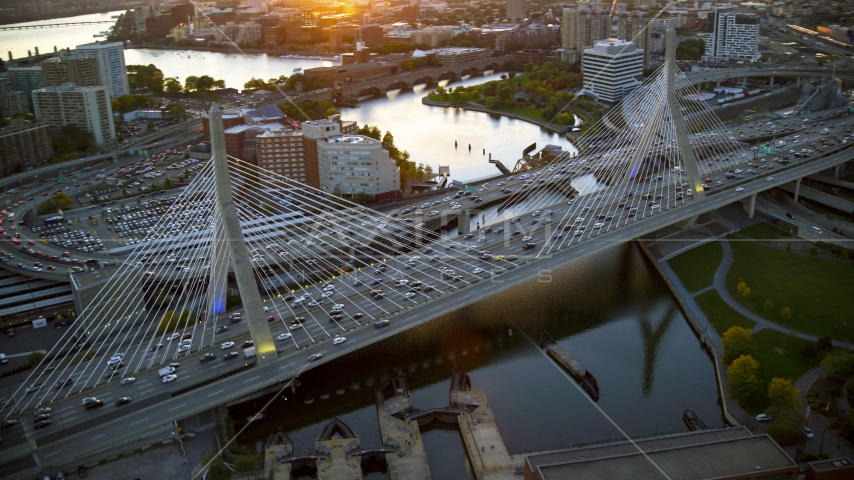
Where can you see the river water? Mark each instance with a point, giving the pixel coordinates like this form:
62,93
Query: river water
610,310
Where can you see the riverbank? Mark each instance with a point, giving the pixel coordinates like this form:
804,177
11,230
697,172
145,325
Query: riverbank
474,107
58,16
289,54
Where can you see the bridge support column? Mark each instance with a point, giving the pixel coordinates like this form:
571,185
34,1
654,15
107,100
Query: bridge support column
797,189
836,171
718,84
751,207
683,142
464,221
771,82
744,82
799,81
259,329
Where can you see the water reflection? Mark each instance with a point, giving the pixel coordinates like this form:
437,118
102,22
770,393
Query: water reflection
609,310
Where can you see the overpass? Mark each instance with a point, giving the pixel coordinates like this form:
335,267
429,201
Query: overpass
53,25
718,75
614,199
818,196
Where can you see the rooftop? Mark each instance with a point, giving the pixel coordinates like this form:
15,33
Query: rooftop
726,452
268,127
351,139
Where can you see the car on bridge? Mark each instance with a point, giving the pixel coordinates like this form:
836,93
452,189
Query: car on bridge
207,357
314,357
230,355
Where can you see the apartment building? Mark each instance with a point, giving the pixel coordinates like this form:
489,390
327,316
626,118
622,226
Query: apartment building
24,146
735,37
111,65
87,107
353,164
612,69
81,70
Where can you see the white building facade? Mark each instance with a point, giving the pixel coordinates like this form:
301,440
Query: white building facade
352,164
87,107
612,69
735,37
111,65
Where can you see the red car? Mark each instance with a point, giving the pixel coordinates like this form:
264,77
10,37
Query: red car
187,336
271,319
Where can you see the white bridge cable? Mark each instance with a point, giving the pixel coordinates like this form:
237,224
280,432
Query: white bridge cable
87,321
357,230
355,236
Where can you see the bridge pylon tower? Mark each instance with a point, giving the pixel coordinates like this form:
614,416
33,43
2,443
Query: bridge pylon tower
227,230
683,142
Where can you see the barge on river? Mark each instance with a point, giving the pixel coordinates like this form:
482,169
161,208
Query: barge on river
579,373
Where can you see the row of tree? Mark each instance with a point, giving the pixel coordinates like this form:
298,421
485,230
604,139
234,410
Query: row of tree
285,84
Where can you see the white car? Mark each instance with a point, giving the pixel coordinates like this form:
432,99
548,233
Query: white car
329,288
294,326
739,189
338,340
469,249
325,295
526,239
409,295
315,303
184,348
769,179
283,336
169,378
477,271
173,336
226,345
338,306
598,225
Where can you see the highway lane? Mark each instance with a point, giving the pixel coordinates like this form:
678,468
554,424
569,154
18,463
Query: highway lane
202,398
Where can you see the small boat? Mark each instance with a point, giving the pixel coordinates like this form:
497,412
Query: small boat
296,71
693,421
579,373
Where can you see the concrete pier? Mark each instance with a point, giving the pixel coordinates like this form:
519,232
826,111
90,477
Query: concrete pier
410,462
339,462
487,452
278,447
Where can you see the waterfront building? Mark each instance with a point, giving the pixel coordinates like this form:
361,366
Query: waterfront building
305,34
531,36
140,14
240,140
111,65
81,70
371,34
87,107
285,152
432,36
515,10
26,79
247,116
453,56
342,74
612,69
24,146
735,36
13,102
353,164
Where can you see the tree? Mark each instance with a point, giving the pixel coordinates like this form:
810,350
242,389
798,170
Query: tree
428,169
245,464
744,383
839,364
175,110
191,83
205,83
786,425
736,342
782,394
768,306
218,471
35,358
786,313
82,138
825,343
151,126
172,86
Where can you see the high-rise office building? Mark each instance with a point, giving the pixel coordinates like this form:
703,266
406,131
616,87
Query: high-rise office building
111,65
515,10
612,69
353,164
735,36
81,70
87,107
24,146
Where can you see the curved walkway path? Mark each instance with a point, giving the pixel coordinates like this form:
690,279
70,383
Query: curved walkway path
719,284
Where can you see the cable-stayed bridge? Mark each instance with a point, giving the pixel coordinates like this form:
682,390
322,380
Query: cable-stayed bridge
311,267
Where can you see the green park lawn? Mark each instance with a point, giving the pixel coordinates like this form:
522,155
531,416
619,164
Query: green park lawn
696,267
818,291
721,315
764,232
781,355
530,112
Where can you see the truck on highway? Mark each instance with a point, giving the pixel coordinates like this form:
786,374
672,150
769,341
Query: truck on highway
249,352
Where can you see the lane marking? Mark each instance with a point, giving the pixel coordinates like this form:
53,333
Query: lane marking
251,379
146,391
99,436
51,454
143,420
179,406
216,393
